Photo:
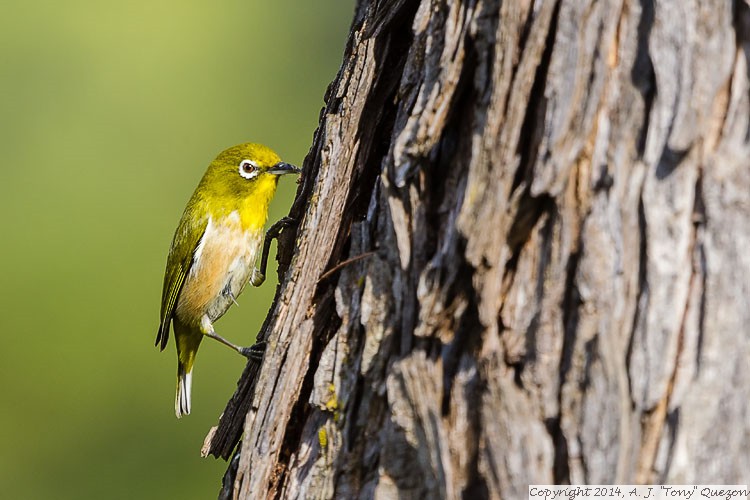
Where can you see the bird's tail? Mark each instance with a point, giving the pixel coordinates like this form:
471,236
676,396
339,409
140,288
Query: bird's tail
184,385
187,346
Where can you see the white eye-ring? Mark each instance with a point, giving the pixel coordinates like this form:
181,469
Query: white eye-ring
248,169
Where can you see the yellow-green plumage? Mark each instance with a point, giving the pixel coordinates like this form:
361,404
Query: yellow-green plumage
214,250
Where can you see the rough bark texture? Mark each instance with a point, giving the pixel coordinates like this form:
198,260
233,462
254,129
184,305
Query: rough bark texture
557,198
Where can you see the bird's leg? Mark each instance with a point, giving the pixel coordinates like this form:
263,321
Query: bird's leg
257,278
254,352
259,275
224,341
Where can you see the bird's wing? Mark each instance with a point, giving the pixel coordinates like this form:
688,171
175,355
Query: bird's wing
186,240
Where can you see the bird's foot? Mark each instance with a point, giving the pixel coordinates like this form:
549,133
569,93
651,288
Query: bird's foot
255,352
281,224
273,233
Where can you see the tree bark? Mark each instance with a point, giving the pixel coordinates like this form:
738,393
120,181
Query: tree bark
536,218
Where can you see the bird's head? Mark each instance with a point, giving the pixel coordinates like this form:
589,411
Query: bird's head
243,173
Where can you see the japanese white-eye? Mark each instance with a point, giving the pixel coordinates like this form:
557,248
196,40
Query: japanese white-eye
214,251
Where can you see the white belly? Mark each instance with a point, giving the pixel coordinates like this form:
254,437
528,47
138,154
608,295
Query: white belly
222,265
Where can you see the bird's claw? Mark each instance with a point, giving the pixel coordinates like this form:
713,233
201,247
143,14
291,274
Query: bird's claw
287,221
255,352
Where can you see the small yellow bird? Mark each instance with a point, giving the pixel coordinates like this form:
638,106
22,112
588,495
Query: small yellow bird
214,251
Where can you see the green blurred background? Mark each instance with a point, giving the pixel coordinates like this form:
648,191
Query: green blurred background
109,114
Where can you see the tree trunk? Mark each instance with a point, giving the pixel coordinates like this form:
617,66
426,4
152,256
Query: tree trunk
535,218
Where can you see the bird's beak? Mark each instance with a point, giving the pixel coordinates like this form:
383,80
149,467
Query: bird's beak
282,168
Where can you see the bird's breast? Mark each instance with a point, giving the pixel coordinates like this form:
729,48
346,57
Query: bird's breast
222,265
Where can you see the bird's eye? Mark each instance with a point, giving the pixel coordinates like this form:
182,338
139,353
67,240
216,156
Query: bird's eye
248,169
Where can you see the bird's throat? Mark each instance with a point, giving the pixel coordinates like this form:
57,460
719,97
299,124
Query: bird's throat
253,208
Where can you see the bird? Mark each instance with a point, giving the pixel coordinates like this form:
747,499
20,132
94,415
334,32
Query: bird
213,253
